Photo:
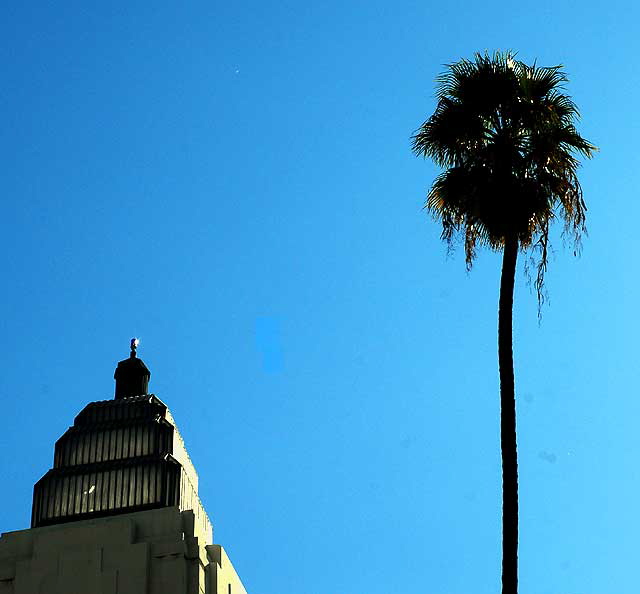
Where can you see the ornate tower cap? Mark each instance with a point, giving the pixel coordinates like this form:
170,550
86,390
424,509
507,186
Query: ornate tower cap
132,375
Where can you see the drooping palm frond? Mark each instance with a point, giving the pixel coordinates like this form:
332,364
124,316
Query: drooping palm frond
504,132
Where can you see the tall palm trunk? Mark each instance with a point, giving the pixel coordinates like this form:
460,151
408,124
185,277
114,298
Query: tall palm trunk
508,443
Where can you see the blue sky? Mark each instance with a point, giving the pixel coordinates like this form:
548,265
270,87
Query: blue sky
233,183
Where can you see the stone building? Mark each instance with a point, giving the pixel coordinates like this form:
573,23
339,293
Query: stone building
119,512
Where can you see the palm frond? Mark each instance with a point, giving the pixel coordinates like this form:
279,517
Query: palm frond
504,132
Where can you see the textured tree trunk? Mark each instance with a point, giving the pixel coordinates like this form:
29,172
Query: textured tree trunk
508,444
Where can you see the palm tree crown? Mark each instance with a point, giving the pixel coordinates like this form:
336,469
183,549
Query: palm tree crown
504,133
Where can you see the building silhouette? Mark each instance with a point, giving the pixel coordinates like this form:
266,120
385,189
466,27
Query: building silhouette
119,512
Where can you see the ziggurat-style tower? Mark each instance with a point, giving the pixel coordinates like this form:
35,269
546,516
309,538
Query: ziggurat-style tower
119,512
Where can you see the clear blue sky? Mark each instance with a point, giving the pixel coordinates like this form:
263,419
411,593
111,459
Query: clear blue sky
233,183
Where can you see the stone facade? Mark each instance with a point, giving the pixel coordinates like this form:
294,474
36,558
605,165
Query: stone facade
148,552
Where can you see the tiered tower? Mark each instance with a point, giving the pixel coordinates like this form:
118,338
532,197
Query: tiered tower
119,512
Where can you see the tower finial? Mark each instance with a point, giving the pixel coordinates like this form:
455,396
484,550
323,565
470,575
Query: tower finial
132,375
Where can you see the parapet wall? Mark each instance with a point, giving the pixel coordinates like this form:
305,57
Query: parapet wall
151,552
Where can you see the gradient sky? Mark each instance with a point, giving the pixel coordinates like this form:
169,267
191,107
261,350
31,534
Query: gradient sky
233,183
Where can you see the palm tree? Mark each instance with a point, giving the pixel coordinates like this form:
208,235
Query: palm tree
504,133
